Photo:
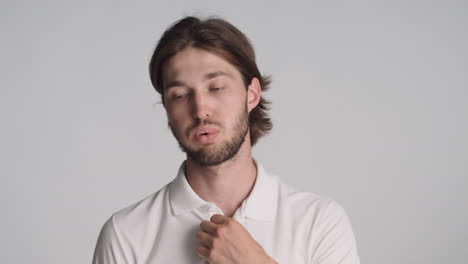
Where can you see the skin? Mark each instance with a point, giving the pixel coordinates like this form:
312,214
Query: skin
203,87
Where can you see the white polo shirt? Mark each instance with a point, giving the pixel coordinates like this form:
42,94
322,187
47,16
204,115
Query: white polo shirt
293,227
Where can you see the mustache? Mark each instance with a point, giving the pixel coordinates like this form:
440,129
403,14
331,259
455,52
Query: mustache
199,123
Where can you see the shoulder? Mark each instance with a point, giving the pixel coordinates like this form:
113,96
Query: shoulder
121,232
122,235
133,218
303,201
309,208
143,209
323,224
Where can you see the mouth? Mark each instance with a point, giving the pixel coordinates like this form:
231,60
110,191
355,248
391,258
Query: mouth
206,135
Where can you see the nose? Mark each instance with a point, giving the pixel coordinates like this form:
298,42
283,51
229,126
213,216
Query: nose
201,107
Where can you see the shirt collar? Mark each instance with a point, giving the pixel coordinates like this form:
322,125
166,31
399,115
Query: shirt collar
263,199
261,203
181,195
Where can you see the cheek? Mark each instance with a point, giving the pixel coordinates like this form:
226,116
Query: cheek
235,100
175,117
236,112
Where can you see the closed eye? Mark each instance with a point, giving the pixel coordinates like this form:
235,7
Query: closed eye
179,96
216,89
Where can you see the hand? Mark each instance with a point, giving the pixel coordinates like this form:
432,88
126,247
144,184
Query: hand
223,240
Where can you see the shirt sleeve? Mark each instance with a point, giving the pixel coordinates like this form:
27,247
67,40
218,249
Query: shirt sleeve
110,248
336,243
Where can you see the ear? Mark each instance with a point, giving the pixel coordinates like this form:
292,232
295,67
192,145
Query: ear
254,93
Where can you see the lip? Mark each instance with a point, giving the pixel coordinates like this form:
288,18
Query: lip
205,134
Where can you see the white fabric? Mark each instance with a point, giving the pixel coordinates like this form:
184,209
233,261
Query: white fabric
293,227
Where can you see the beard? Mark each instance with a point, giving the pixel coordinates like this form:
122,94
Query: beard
226,151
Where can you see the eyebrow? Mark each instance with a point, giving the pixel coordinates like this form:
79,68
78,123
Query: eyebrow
212,75
208,76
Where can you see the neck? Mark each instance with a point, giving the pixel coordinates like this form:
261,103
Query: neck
228,184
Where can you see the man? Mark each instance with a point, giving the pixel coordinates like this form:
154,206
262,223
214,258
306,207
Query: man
222,207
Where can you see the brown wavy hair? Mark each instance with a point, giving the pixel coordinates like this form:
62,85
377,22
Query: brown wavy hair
223,39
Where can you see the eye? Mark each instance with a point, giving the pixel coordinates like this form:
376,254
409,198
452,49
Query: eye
179,96
216,89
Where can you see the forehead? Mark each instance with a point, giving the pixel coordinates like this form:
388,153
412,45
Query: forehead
191,64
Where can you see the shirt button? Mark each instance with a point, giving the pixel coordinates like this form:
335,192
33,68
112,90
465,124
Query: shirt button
212,211
205,207
210,214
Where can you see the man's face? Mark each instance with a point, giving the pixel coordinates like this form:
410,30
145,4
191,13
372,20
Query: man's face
206,104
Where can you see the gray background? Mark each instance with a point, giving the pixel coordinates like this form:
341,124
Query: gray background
370,108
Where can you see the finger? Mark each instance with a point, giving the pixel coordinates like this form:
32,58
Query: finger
205,239
219,219
208,227
203,252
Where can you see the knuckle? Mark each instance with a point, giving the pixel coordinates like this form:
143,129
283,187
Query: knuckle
221,231
230,222
210,254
